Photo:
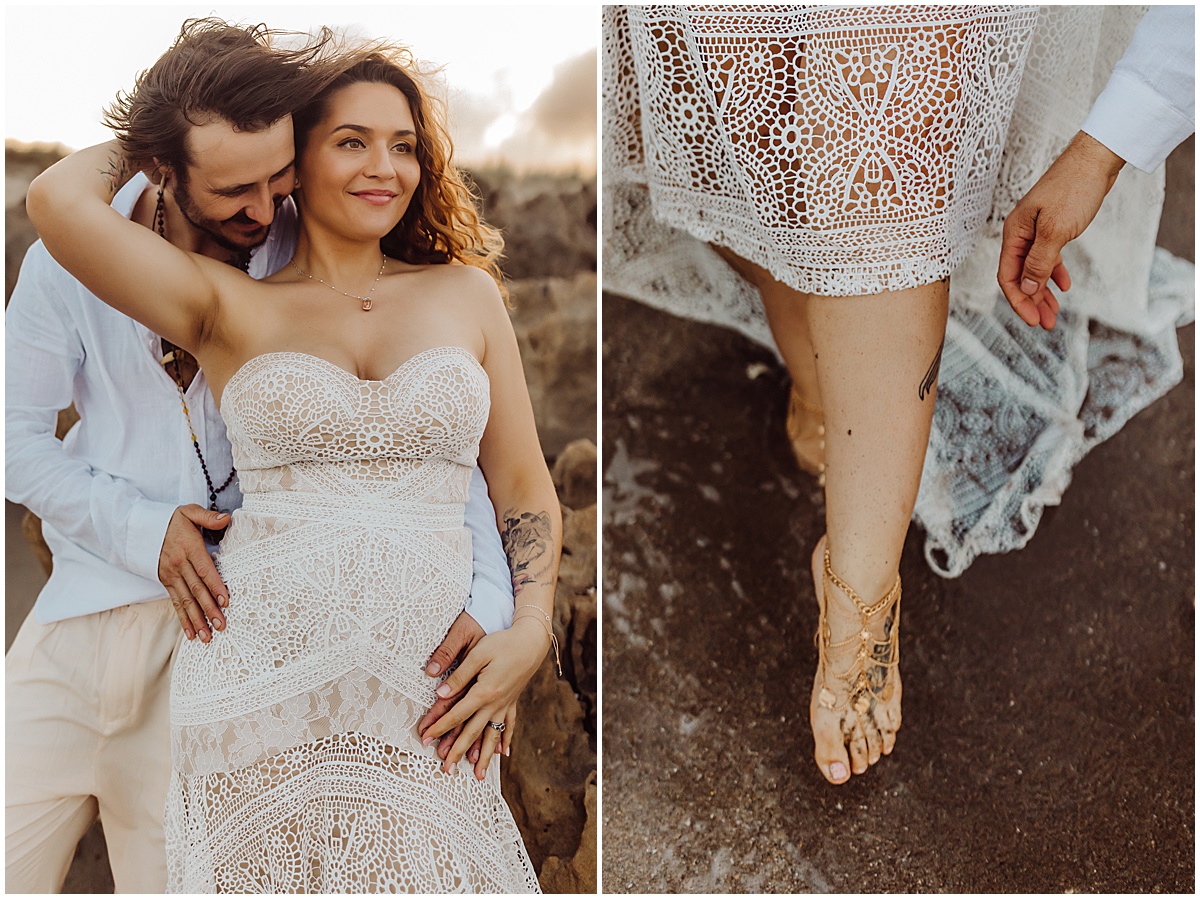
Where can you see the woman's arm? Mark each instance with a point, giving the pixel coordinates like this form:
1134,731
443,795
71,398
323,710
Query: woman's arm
530,527
123,263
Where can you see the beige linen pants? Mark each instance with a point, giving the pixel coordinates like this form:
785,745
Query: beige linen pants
87,732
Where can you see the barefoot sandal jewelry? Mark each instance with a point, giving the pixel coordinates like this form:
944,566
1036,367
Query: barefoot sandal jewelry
548,624
862,690
804,420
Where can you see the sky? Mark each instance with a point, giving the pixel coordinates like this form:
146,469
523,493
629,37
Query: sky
520,80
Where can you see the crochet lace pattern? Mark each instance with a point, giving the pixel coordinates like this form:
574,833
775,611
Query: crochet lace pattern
856,150
296,762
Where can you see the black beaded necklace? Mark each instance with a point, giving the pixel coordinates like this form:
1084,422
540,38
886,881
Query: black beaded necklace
171,354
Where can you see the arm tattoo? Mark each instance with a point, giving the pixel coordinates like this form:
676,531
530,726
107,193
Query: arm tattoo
527,540
117,173
930,378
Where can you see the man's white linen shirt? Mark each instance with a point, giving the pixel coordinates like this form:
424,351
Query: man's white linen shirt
1148,106
107,491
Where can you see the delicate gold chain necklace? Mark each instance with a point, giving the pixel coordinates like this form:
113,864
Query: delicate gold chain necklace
366,301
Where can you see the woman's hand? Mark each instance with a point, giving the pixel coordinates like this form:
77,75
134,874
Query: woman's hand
501,664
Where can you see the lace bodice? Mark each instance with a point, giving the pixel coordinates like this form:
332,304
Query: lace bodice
295,417
354,490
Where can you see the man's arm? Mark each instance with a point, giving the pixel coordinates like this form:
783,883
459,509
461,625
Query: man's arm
490,605
106,516
1148,106
491,599
43,353
1145,111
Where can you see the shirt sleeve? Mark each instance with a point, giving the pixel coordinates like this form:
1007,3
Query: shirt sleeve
1148,107
105,516
491,600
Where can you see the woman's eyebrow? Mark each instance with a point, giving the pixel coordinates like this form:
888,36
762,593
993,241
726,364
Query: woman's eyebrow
363,129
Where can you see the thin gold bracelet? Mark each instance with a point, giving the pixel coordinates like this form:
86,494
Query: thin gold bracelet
553,640
529,605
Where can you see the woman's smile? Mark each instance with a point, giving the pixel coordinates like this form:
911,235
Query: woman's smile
375,196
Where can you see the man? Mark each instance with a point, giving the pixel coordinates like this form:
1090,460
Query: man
1146,110
124,497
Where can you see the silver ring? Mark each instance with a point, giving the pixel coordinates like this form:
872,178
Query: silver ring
498,726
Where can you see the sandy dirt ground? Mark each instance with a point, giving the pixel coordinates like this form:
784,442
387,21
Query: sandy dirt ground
1048,738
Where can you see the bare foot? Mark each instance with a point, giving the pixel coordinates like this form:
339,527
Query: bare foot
855,707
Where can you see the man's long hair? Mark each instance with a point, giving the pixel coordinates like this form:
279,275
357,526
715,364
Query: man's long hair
213,71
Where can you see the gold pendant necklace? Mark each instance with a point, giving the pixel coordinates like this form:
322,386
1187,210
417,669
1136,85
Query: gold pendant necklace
366,301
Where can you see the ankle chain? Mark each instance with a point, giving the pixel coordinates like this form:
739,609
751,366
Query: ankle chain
862,688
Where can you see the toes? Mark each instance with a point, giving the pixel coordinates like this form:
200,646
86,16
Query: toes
874,742
858,749
830,748
835,769
889,740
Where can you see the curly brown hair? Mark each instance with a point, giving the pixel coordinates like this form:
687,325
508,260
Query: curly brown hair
442,222
214,70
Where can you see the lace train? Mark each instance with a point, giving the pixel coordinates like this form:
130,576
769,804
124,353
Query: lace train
793,135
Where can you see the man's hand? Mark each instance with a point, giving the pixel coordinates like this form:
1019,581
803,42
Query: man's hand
492,676
1055,211
187,571
464,633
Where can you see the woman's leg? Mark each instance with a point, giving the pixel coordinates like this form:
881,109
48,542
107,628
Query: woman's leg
876,360
877,363
787,314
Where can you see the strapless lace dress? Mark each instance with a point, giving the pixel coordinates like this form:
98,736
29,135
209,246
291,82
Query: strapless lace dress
296,761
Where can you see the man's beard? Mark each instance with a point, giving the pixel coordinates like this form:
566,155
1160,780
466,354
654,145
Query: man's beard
239,243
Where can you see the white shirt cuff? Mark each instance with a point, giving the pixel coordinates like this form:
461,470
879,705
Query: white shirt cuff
144,536
490,605
1136,122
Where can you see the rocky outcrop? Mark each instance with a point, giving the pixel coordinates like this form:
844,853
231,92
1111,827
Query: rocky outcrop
548,221
550,780
555,321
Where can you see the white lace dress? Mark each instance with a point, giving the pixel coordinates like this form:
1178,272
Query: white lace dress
856,150
296,762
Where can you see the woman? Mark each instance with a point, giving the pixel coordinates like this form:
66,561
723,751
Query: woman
359,386
843,162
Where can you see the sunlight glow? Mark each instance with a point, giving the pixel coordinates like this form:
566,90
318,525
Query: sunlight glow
495,60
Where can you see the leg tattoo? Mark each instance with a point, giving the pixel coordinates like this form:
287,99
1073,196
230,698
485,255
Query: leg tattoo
930,378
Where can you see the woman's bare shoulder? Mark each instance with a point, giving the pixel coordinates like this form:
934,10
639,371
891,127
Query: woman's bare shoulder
459,284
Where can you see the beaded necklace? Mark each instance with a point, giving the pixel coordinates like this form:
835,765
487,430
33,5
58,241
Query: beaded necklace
172,357
171,354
